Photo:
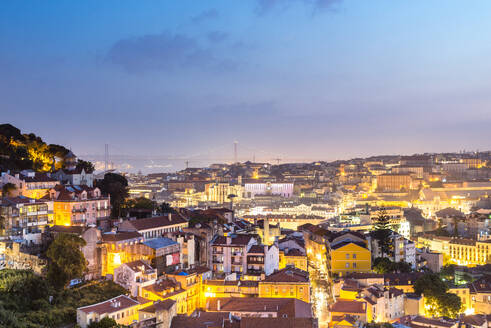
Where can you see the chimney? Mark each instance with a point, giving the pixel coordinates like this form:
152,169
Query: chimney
218,305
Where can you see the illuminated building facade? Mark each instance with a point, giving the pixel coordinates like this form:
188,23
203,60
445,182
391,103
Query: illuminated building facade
284,189
24,219
293,257
289,282
229,254
119,248
123,309
78,205
394,182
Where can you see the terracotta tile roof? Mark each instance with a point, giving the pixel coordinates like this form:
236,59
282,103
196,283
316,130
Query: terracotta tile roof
256,249
363,275
474,320
120,236
239,240
423,321
202,320
78,230
344,243
251,322
114,304
290,307
400,279
157,222
159,306
288,274
345,306
482,285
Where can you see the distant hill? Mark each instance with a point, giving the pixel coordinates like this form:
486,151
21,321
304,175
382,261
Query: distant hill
27,151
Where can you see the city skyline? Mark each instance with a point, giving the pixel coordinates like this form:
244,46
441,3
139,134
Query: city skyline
348,79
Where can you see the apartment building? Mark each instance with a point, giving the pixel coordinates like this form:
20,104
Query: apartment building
229,253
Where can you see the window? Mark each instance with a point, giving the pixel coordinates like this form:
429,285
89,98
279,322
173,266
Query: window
354,265
354,256
347,265
347,256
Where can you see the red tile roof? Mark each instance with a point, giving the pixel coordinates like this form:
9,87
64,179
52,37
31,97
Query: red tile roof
114,304
289,274
345,306
157,222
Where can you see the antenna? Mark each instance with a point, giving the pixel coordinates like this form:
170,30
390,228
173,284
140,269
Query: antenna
235,151
187,164
106,157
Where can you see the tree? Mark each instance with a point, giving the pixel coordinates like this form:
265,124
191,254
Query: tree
8,189
383,232
165,208
116,186
430,284
448,272
385,265
105,322
382,265
449,305
437,301
86,165
66,260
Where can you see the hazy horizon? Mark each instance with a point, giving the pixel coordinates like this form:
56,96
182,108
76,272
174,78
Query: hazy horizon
290,79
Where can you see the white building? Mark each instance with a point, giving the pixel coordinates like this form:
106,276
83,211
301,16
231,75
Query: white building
135,275
284,189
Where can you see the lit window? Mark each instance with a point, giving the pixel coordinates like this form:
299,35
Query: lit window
347,265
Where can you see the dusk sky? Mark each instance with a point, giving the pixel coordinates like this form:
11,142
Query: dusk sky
298,79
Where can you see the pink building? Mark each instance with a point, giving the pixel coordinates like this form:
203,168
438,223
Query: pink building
78,205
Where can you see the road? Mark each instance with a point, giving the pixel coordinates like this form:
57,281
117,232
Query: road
320,290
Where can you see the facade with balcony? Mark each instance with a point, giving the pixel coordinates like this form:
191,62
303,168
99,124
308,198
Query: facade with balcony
23,219
229,254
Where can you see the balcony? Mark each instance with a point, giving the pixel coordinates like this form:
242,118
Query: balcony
79,210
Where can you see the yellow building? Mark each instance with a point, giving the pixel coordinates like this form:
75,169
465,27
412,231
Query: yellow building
293,257
286,283
459,251
228,288
167,289
348,256
123,309
465,296
192,282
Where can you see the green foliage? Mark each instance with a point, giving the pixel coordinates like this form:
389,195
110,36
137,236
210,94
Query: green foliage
446,304
67,261
86,165
8,189
448,272
385,265
26,151
24,300
117,187
165,208
141,203
438,301
430,284
106,322
382,232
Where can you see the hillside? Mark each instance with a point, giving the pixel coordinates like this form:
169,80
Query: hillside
27,151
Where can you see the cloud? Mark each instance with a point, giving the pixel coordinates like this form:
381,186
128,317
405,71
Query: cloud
265,6
165,52
205,15
217,36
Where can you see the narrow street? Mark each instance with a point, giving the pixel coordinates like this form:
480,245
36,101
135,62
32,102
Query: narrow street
320,290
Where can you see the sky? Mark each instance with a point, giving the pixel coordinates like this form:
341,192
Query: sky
290,79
